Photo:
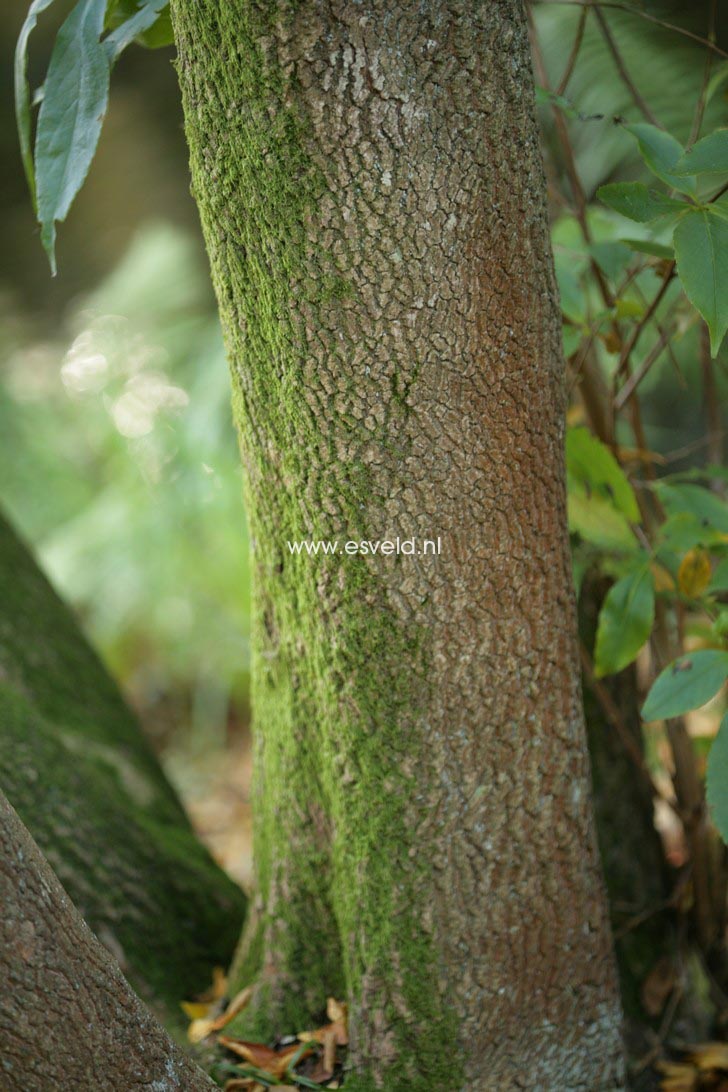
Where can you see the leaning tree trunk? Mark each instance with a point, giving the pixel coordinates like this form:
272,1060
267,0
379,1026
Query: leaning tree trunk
76,767
372,196
68,1019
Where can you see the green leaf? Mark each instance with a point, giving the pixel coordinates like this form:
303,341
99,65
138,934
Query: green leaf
601,502
545,97
597,521
719,581
589,461
635,201
571,336
611,257
687,683
160,34
69,123
679,498
719,77
661,151
708,156
571,294
717,780
701,253
135,25
683,531
649,246
625,621
22,92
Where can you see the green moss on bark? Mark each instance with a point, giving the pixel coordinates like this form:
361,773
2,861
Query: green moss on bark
76,768
339,681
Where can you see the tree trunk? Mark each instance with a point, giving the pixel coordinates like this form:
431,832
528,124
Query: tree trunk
372,196
68,1019
75,765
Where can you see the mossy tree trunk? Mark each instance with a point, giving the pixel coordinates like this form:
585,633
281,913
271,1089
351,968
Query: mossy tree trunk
68,1019
75,765
372,196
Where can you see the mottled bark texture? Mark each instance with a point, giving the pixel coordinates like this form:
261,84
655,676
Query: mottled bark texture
372,196
68,1019
75,765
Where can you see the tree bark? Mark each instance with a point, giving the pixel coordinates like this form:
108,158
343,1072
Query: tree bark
68,1019
75,765
372,197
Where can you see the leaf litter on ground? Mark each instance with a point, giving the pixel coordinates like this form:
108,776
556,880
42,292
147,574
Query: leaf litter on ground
311,1059
703,1069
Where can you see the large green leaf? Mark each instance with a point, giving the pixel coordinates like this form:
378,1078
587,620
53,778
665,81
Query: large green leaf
625,621
717,780
701,252
708,156
635,201
687,683
69,123
590,461
601,502
661,152
596,519
22,91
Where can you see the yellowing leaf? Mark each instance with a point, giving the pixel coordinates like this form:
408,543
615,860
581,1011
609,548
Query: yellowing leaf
195,1010
694,573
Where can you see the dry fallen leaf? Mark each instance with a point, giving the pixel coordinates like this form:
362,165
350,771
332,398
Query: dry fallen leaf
330,1050
199,1029
338,1015
275,1062
201,1007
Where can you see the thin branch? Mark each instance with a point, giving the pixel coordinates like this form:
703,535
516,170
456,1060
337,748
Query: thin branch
634,380
639,328
622,69
700,109
575,47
